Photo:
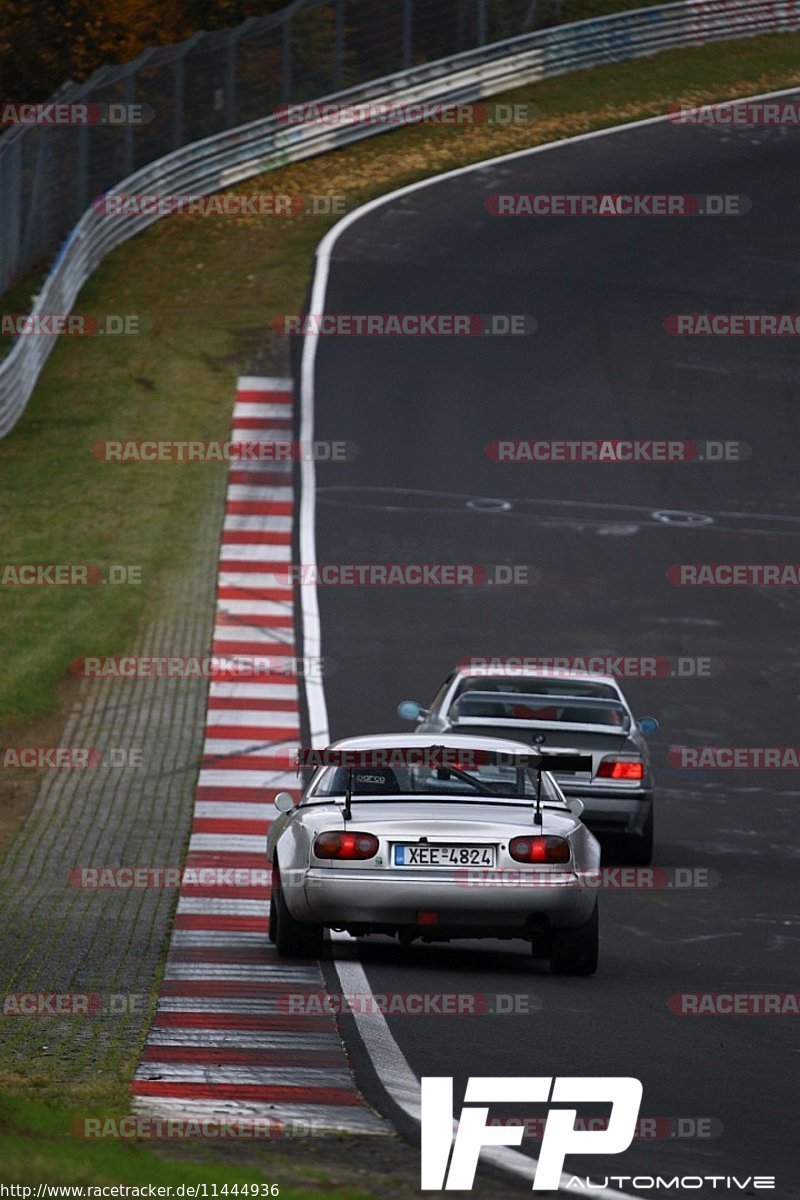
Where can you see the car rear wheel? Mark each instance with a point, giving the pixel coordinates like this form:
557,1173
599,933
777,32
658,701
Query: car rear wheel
575,951
292,938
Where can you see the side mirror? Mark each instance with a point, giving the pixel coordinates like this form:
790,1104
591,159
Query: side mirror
647,725
284,802
410,710
575,806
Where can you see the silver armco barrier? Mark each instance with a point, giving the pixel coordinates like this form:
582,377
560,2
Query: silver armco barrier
239,153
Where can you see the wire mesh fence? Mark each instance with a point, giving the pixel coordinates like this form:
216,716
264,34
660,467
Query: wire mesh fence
175,95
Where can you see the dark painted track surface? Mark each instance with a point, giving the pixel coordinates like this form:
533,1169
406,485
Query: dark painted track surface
600,365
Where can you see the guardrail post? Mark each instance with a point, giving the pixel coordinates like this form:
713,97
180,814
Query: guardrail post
408,34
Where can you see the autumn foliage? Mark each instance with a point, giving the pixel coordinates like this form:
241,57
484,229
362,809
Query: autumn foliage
45,43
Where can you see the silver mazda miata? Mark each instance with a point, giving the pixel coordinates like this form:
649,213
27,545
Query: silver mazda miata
434,839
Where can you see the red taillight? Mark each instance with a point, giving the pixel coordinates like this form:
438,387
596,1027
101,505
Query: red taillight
539,849
617,768
345,845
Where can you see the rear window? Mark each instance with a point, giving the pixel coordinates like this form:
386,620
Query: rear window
435,781
474,705
539,687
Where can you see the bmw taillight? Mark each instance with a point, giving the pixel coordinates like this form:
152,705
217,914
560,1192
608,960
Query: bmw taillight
539,849
620,768
345,845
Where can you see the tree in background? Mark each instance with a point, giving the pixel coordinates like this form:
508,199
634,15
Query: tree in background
45,43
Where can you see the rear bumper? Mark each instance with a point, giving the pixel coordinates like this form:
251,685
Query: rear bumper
613,811
474,900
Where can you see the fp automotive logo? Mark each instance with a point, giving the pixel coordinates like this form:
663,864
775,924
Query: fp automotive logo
461,1153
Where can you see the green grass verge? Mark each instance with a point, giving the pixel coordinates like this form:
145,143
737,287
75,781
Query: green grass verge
38,1145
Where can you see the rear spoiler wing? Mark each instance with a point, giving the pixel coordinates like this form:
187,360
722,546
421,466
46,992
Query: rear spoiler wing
440,756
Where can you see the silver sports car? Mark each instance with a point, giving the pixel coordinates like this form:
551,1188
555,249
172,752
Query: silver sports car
560,710
434,839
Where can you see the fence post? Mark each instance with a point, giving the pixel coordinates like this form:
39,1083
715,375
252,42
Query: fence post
230,78
338,51
82,180
408,34
129,94
178,90
483,22
11,193
286,61
177,102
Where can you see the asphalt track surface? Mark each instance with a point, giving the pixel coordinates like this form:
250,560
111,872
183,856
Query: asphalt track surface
422,490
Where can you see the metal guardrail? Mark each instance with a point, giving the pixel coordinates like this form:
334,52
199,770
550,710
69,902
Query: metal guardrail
228,158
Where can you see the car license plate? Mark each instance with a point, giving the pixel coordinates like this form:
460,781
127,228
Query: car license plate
443,856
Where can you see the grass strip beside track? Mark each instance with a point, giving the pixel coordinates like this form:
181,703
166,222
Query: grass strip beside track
37,1145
